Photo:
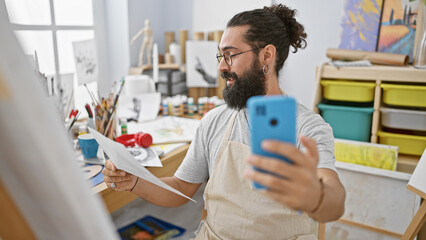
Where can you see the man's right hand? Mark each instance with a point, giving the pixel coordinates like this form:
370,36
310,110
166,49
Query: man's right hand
123,181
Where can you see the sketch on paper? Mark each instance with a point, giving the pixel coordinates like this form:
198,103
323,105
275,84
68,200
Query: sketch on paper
360,24
86,64
167,129
145,156
65,85
201,64
398,27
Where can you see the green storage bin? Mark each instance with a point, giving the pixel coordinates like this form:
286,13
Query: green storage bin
353,123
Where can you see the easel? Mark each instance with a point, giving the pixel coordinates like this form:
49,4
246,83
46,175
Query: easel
12,223
417,185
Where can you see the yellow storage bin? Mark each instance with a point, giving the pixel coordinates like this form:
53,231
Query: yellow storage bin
351,91
404,95
408,144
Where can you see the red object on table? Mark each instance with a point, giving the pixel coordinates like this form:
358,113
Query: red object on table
141,139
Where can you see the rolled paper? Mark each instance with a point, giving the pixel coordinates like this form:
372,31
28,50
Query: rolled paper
373,57
183,37
169,38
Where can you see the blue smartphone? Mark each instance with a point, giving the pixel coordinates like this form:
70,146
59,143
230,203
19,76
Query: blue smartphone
271,117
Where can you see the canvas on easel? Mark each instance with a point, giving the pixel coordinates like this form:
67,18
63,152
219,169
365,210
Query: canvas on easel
417,184
38,172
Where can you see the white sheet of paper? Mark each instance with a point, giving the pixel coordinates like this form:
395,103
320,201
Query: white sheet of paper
123,160
150,106
167,129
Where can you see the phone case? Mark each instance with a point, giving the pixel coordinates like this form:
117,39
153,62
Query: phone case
271,117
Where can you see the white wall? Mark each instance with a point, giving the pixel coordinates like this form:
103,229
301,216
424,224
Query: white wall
164,16
321,20
124,18
213,15
117,34
322,23
99,19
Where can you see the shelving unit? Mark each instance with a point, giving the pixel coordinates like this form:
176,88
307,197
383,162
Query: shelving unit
377,74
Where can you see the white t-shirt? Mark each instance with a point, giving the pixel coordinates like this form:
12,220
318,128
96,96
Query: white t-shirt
203,151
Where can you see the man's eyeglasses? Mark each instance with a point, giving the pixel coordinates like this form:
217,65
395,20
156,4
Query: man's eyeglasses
228,57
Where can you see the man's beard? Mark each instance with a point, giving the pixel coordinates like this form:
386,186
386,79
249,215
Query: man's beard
251,83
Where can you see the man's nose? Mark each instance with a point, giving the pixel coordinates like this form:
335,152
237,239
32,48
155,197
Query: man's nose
223,66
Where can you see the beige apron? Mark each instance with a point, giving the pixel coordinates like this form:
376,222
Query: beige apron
236,211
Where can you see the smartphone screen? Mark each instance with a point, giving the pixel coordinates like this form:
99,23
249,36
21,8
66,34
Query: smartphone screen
271,117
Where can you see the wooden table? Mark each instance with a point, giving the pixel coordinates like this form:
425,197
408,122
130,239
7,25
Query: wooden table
115,200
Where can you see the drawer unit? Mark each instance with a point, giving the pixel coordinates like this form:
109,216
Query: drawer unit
403,119
350,91
407,144
404,95
353,123
394,87
409,147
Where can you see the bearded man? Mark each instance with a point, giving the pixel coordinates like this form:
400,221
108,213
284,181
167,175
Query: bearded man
252,51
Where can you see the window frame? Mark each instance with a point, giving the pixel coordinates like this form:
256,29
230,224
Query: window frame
53,28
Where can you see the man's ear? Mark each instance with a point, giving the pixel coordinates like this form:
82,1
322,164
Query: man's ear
269,54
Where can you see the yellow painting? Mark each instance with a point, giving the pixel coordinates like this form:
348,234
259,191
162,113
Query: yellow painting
367,154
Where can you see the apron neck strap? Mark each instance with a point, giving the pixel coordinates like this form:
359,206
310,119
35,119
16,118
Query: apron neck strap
230,125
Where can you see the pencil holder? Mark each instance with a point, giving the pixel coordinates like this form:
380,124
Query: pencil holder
88,145
108,127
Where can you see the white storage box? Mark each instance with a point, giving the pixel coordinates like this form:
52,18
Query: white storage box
403,119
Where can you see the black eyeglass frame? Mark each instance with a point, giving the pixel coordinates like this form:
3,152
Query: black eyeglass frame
220,56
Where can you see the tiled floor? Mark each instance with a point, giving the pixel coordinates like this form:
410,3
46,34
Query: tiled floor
187,216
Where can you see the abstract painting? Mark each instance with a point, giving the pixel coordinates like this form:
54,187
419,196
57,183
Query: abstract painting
360,24
398,27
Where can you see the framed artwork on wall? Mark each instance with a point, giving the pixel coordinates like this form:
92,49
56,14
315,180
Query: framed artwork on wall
360,24
398,27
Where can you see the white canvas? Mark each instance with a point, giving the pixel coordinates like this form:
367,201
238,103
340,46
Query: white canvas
65,91
418,179
140,108
44,180
86,62
374,197
201,64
